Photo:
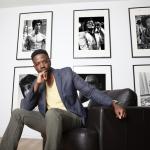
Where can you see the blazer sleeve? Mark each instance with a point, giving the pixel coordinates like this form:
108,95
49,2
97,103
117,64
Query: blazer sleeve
90,91
30,100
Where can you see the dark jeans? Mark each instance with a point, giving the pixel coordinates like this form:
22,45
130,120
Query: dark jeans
51,126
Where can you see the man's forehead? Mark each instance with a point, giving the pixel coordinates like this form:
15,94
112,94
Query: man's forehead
38,23
40,56
90,21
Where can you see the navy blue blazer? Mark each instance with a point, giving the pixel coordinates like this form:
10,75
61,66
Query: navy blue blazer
68,82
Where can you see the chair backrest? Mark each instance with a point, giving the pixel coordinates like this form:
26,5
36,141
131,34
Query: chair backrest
126,97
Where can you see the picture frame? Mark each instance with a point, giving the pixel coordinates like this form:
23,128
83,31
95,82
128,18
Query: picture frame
140,31
91,33
102,71
34,32
99,76
141,75
22,81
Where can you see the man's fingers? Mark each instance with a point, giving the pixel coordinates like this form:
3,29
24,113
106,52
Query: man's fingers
119,111
124,114
45,76
120,114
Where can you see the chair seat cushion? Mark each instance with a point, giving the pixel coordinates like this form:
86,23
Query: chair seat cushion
80,139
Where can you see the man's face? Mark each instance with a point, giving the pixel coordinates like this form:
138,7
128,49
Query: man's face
41,62
148,22
27,88
37,26
97,27
90,24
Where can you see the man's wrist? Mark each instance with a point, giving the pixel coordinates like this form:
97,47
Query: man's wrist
115,101
36,86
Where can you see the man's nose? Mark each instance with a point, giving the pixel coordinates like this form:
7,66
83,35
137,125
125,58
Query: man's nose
42,65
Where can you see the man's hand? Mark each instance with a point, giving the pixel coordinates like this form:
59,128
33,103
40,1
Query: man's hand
42,77
119,110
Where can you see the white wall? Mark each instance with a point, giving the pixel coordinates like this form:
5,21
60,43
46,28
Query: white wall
62,47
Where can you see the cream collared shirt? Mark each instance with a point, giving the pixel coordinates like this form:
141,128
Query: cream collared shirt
52,97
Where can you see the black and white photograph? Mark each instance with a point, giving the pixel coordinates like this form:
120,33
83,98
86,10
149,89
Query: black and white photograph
34,33
91,33
140,31
23,79
142,84
98,80
98,76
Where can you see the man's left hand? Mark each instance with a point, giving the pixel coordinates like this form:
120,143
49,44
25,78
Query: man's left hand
119,110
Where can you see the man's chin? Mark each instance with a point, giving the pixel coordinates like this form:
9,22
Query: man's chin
43,70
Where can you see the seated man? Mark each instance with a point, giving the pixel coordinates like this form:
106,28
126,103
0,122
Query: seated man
55,93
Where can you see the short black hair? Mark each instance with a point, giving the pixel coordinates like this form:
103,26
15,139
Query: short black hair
26,81
144,20
39,51
34,22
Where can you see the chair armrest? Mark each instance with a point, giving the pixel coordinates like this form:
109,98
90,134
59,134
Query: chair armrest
125,97
127,134
109,128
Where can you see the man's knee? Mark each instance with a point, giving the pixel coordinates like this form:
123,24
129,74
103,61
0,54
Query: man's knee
16,113
54,114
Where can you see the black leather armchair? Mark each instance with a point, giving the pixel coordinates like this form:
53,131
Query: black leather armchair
104,131
102,127
132,133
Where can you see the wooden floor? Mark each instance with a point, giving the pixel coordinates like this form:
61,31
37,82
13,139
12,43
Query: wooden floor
30,144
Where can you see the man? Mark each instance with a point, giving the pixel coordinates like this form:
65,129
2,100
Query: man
146,32
92,38
35,40
55,93
25,83
99,35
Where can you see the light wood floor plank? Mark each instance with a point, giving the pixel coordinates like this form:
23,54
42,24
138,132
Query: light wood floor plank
30,144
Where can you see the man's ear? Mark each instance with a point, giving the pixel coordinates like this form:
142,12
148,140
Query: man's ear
49,60
34,67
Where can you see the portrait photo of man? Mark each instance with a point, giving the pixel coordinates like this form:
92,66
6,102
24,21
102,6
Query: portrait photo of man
91,33
25,83
34,32
34,35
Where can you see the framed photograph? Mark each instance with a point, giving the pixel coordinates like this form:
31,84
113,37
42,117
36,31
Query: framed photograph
22,81
99,76
141,75
34,32
139,18
91,38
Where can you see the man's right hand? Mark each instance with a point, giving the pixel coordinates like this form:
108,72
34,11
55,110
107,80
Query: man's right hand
42,77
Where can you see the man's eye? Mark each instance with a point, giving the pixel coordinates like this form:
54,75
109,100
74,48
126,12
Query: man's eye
36,64
46,61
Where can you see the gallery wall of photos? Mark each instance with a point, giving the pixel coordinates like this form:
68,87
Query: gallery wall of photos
106,40
91,39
